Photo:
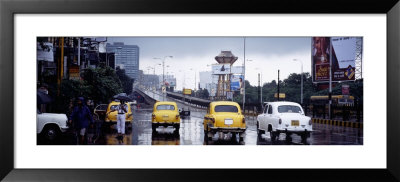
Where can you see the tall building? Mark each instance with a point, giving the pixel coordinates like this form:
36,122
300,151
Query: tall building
126,57
208,81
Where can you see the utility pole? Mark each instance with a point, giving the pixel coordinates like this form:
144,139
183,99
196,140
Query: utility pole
259,93
79,51
278,86
60,65
244,71
261,90
330,77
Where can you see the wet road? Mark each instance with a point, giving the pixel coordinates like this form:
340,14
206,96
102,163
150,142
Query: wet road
191,132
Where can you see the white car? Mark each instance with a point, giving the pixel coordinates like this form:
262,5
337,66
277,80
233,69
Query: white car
284,117
51,125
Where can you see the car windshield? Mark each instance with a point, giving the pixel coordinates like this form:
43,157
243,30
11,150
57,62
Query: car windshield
102,107
225,108
165,107
289,109
113,107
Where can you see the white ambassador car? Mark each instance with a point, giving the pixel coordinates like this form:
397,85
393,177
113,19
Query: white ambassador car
284,117
51,125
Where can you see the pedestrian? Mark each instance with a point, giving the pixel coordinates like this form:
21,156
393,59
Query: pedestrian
82,118
122,108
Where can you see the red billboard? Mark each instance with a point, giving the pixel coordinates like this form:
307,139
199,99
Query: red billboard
342,53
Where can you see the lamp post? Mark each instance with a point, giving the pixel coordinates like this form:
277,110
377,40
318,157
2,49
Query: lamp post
261,87
244,80
163,64
301,96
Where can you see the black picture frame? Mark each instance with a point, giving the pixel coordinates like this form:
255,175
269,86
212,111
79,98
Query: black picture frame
9,8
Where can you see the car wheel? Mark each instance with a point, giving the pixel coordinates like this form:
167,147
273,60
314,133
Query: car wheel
153,127
288,137
177,127
304,137
273,135
259,134
208,134
50,133
259,137
241,137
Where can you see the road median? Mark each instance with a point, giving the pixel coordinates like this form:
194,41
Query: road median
338,123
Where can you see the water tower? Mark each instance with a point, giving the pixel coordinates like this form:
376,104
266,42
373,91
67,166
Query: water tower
223,69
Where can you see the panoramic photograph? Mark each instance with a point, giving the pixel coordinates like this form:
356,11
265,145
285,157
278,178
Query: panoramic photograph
199,90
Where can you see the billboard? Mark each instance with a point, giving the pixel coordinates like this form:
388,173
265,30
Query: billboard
187,91
170,81
343,55
236,82
45,52
221,69
224,69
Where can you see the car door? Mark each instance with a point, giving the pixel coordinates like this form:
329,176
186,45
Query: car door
269,118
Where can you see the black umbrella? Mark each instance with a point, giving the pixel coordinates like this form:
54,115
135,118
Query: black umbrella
122,96
43,98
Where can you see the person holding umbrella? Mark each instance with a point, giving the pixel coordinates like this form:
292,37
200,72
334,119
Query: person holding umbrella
122,108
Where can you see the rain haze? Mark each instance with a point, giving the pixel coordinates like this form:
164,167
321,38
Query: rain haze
191,55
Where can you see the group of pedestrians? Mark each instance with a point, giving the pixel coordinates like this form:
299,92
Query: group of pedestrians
81,119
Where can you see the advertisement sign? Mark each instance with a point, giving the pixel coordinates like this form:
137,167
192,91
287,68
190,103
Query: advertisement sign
236,82
345,90
45,52
237,70
187,91
223,69
170,81
74,72
343,54
281,95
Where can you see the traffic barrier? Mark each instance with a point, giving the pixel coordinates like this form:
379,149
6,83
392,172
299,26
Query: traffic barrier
337,123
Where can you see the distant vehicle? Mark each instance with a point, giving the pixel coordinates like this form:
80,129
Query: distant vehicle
50,125
336,99
111,118
184,113
284,117
226,117
100,112
165,114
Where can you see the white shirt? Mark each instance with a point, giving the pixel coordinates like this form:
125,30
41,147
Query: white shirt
121,110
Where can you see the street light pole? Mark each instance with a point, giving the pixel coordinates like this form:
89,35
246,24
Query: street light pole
244,71
163,64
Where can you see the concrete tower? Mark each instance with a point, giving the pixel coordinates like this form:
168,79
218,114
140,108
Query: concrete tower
225,60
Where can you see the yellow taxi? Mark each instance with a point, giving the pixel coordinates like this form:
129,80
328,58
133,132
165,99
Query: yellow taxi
111,116
165,114
226,117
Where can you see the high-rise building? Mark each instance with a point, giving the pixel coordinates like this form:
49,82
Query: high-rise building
126,57
208,81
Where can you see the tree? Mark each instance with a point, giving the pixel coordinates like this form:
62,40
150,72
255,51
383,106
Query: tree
102,82
126,81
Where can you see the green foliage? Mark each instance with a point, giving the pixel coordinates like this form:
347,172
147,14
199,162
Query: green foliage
126,81
291,86
202,93
103,83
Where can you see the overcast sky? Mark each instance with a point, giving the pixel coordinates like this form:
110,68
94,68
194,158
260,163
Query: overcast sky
268,54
